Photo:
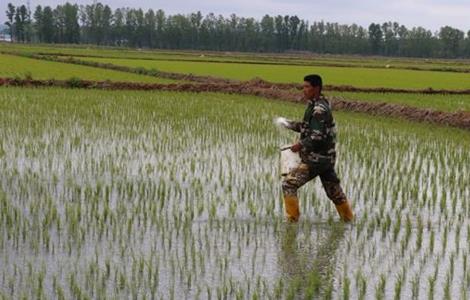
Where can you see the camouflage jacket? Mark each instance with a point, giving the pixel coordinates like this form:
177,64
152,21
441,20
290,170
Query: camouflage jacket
317,131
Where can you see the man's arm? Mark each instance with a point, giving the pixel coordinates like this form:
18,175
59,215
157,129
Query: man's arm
295,126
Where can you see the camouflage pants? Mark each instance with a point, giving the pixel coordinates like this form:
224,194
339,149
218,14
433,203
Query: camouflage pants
306,172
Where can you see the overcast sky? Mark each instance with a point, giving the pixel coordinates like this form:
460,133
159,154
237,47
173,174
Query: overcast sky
431,14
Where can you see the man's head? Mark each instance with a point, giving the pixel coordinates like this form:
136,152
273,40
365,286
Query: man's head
312,86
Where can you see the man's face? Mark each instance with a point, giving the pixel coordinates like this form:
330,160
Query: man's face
310,91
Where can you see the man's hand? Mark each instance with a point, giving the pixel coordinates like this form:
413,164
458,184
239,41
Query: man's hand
296,148
294,126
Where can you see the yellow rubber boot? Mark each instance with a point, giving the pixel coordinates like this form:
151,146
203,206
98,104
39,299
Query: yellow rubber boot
345,211
291,205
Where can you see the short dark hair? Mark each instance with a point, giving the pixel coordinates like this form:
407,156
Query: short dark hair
314,80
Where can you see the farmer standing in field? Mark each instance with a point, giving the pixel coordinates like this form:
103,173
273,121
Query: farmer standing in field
317,152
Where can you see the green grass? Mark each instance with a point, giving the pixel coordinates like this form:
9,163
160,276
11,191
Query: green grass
360,77
13,66
449,103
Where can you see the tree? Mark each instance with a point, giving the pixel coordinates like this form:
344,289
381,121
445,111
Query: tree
105,24
160,18
72,28
267,31
11,11
418,42
91,17
249,41
99,24
18,26
24,21
467,45
38,16
149,28
293,28
390,33
281,32
59,24
47,25
140,29
118,29
375,38
196,20
66,27
451,39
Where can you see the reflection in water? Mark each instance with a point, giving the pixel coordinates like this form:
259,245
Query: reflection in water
307,258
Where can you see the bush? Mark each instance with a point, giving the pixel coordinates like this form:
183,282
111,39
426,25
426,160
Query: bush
74,82
153,72
28,76
140,70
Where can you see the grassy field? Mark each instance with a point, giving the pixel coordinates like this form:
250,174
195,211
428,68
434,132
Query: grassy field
177,195
15,66
360,77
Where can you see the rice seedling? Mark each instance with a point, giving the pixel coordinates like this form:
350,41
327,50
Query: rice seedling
160,195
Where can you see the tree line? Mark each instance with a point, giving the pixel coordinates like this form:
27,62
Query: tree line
100,25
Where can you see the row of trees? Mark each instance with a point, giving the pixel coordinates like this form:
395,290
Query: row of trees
99,24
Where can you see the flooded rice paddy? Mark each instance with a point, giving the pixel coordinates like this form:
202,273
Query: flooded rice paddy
148,195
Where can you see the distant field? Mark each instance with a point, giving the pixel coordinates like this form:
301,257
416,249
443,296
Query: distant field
361,77
12,66
264,58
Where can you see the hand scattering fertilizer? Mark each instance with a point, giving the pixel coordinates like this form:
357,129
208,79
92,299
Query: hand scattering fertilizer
289,160
281,122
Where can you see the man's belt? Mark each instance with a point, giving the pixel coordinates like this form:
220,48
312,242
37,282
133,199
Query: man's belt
316,157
